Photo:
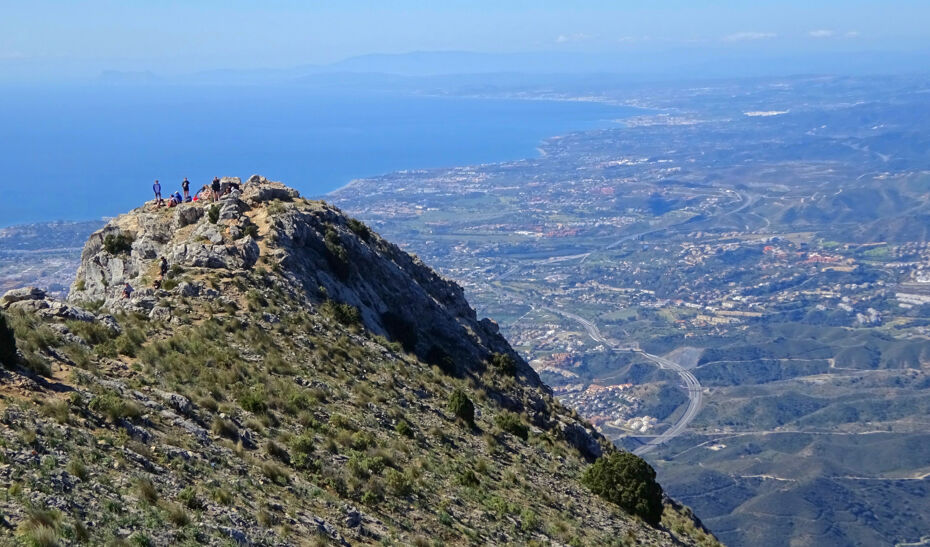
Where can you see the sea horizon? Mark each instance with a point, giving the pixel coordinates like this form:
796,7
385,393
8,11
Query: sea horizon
77,152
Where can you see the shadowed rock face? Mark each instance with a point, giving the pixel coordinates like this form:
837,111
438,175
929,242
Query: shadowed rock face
320,252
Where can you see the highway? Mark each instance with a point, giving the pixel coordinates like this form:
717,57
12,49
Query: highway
695,400
690,382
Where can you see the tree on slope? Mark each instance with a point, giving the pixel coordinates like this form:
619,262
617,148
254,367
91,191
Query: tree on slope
627,480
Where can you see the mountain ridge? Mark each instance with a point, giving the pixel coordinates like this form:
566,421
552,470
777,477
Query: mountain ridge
290,378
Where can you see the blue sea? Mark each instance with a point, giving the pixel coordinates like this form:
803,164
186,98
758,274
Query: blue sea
75,153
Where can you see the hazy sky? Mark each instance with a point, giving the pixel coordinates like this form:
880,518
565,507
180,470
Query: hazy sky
174,36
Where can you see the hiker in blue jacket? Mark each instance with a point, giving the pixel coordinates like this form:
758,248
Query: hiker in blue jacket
157,189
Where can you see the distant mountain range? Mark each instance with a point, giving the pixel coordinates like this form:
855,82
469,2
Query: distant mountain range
633,65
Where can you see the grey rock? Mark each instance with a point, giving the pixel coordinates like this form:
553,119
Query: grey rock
187,289
136,432
146,249
237,536
177,401
187,425
353,518
187,214
160,313
110,322
28,305
261,190
248,251
232,207
55,308
209,232
580,438
19,295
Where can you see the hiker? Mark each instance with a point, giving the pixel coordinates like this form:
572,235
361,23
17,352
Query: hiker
156,284
157,189
127,290
215,187
186,186
163,267
177,197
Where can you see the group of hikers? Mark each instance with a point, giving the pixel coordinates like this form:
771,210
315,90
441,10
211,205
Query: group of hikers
162,272
209,192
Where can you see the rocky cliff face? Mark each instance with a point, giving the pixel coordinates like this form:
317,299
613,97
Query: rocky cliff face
290,378
321,253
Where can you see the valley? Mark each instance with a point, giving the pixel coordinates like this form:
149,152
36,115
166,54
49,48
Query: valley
780,261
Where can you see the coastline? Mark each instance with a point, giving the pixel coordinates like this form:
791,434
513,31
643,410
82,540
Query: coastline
540,148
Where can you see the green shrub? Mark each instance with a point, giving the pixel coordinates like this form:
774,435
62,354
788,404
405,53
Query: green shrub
41,527
403,428
224,428
278,452
504,363
250,230
628,481
77,468
190,498
114,407
462,407
511,423
7,344
117,243
254,400
398,483
146,491
302,448
341,312
177,515
359,228
275,473
467,477
213,213
337,256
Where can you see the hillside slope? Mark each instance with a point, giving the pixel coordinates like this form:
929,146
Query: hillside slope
294,379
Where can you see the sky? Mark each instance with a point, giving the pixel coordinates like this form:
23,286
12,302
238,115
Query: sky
64,38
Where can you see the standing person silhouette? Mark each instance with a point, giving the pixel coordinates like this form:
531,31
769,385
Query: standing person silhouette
157,189
186,186
215,187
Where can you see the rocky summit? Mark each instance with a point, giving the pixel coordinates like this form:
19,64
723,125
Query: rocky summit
266,370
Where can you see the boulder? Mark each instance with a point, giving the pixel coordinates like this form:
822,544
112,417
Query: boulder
232,207
582,439
160,313
263,190
18,295
209,232
248,251
187,214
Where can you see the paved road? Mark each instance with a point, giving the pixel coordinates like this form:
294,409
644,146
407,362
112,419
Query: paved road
695,400
691,384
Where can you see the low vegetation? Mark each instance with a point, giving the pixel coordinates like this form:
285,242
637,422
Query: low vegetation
120,243
627,480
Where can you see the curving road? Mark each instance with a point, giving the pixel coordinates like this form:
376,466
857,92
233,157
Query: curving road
691,383
695,400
